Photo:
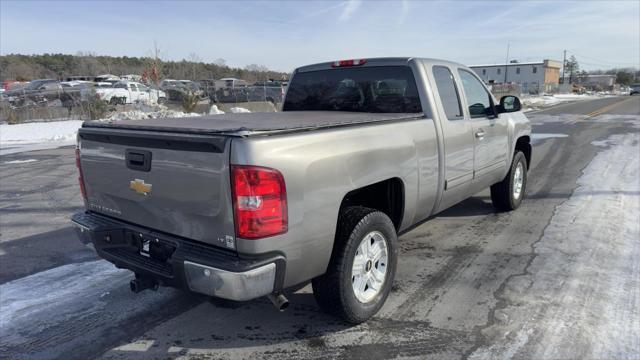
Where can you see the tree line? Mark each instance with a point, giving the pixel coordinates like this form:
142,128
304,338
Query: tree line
58,66
624,76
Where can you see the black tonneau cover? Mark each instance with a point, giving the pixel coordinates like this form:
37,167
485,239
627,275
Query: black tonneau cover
246,124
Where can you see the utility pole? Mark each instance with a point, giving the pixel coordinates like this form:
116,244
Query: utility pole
564,61
506,64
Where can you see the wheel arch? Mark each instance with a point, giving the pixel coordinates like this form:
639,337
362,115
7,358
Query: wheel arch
524,144
387,196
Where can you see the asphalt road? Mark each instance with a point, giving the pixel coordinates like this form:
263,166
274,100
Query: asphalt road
464,288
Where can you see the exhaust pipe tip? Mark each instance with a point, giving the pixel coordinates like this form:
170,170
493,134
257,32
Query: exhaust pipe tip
279,301
141,284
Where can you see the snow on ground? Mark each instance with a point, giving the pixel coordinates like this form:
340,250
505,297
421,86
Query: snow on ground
533,102
47,314
538,137
215,111
52,134
20,161
239,110
37,135
580,297
139,114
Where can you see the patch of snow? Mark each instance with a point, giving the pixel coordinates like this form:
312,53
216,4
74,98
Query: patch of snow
24,298
238,110
534,102
538,137
582,292
215,111
22,137
53,312
141,114
20,161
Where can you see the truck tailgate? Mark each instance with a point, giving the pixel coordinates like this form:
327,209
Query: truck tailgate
168,182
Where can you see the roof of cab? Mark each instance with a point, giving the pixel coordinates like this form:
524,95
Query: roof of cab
383,61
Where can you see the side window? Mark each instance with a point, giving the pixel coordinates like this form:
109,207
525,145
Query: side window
484,71
517,70
535,69
448,92
499,71
133,87
478,98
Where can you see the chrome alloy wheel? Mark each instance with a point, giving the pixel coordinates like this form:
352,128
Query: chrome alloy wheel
518,181
369,268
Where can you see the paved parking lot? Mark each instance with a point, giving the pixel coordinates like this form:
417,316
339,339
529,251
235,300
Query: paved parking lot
559,277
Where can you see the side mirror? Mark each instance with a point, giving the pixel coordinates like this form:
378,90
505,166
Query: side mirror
509,104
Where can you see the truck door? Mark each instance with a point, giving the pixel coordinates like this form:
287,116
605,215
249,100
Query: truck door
134,96
489,130
458,137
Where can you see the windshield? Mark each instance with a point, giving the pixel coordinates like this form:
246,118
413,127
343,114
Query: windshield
383,89
35,84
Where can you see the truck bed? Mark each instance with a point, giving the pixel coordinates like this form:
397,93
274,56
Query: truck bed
247,124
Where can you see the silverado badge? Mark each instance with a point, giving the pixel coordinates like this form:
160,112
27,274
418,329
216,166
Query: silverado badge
140,187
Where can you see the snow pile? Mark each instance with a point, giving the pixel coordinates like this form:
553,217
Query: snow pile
532,102
215,111
37,135
141,114
238,110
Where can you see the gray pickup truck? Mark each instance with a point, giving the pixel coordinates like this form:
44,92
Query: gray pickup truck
240,206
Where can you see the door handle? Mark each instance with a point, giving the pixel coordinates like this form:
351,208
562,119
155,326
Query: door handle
480,134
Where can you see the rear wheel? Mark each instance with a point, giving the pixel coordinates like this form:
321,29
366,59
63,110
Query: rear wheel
362,267
507,195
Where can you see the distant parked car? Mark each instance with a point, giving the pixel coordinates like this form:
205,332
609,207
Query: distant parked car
36,92
634,89
176,89
107,78
128,92
80,78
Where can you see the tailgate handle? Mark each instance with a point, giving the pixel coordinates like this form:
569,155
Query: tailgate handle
138,159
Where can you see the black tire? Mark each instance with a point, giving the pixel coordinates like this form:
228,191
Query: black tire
333,291
502,193
114,101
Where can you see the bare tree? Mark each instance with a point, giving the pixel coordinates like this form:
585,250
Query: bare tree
194,59
154,70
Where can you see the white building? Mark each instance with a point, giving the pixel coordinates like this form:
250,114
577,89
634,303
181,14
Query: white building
604,82
531,76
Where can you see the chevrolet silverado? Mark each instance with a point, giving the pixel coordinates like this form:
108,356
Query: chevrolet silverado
240,206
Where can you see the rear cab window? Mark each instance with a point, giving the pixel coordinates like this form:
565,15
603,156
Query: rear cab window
448,92
374,89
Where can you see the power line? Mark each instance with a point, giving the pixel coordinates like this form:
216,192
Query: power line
602,62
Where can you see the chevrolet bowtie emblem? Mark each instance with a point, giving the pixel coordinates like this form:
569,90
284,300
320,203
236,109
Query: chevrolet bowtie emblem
140,187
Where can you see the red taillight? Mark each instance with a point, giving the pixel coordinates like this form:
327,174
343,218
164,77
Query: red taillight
259,201
354,62
80,178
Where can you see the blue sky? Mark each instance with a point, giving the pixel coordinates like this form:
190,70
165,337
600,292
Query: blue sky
284,34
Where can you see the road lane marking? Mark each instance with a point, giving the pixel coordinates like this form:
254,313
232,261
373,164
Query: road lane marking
599,111
607,108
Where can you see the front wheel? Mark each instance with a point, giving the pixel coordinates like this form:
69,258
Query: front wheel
362,267
507,195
